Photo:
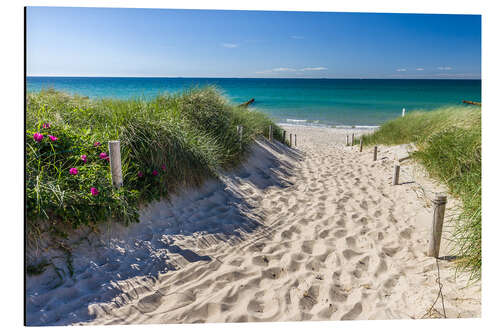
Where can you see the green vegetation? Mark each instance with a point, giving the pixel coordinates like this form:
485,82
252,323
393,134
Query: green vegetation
167,142
449,141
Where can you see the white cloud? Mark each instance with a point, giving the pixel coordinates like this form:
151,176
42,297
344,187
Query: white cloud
445,68
277,70
401,70
283,69
229,45
314,69
419,69
297,37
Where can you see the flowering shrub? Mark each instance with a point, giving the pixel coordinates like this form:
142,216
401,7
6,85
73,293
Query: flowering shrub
164,144
94,191
38,137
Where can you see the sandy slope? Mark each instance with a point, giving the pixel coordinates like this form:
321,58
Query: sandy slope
315,232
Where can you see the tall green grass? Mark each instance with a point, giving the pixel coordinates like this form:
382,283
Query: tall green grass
449,142
166,143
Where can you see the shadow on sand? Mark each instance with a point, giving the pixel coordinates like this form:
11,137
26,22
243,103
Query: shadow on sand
220,210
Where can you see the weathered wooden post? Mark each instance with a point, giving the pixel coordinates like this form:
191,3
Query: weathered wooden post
291,142
347,140
295,140
437,225
375,153
284,136
352,139
395,176
361,144
270,132
403,112
115,161
241,135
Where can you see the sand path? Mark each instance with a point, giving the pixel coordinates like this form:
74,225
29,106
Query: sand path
315,232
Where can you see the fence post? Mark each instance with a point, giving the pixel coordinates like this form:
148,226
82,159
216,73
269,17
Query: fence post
347,140
361,144
115,161
295,140
291,139
284,136
437,226
375,153
352,139
403,112
270,132
239,130
395,176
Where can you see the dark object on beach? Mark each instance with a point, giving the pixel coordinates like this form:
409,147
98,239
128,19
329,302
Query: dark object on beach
247,103
473,103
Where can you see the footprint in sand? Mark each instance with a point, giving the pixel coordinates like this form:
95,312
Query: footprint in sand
309,298
353,313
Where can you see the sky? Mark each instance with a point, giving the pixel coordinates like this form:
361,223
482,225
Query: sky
213,43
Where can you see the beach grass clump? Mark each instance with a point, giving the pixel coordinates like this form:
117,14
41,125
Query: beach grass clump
171,141
449,142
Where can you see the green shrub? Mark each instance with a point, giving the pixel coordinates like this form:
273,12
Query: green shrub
449,141
167,142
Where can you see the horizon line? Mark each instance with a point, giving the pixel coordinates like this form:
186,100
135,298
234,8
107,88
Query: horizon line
251,77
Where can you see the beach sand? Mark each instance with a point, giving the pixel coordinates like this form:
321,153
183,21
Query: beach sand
313,232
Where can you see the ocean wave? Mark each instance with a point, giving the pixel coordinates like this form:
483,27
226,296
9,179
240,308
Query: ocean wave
318,124
296,120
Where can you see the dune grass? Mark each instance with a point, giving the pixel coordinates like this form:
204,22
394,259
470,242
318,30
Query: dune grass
168,142
449,142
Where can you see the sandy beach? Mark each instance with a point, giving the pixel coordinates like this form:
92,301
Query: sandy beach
312,232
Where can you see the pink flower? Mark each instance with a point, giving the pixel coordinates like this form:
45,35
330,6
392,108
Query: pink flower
46,125
53,138
140,174
103,156
155,173
94,191
73,171
84,158
163,167
97,143
38,137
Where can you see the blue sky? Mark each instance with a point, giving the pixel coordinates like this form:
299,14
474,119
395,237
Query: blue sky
192,43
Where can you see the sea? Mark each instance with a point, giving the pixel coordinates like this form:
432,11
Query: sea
312,102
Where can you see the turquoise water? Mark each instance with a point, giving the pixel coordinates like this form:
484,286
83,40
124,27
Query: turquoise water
338,102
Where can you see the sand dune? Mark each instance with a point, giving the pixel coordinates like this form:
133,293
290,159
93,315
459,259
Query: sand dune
316,232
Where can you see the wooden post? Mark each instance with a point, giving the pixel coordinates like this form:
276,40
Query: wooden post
291,139
270,132
352,139
115,162
437,226
361,144
284,136
403,112
240,132
347,140
395,176
295,140
375,153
